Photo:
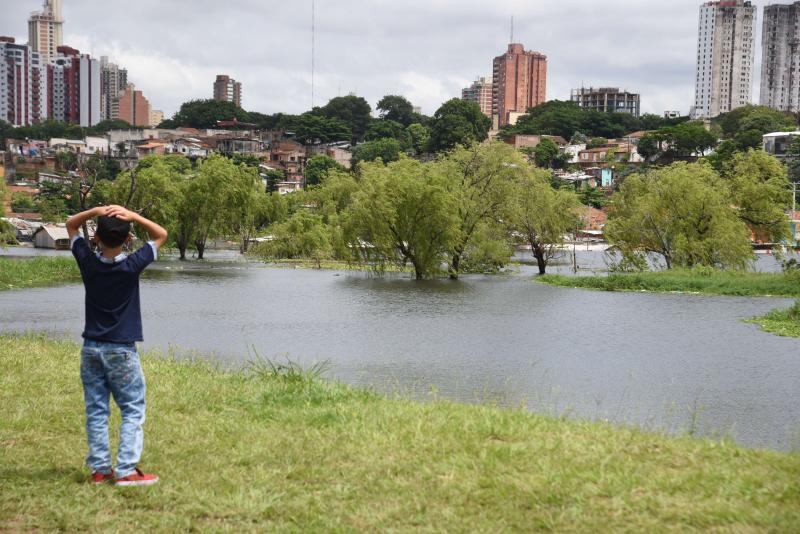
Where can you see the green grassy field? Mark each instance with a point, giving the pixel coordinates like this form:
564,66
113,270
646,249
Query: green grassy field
35,272
734,283
781,322
282,451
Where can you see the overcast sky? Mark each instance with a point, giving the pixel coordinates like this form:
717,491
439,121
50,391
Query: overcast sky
426,50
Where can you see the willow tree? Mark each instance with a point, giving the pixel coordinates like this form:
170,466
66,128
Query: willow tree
248,205
303,235
481,179
683,213
543,215
220,200
403,213
760,188
153,189
331,200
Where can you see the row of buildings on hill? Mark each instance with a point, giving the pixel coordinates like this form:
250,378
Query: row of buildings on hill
46,80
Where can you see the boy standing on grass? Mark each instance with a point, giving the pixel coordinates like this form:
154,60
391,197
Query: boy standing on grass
109,361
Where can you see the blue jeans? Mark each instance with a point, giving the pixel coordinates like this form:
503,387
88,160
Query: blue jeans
113,368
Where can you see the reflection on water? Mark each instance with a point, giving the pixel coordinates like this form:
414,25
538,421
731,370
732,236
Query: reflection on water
674,362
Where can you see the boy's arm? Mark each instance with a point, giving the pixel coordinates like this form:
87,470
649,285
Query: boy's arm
156,232
75,222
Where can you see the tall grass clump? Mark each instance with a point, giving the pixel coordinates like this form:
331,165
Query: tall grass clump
784,323
704,281
35,272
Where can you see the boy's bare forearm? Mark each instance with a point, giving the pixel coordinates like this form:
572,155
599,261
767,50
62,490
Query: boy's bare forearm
158,234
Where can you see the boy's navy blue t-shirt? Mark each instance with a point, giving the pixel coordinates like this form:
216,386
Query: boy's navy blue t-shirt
113,313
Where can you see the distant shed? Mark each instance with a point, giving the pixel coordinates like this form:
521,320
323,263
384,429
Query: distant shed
51,236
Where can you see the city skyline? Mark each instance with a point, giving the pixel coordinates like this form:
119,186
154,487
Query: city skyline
446,45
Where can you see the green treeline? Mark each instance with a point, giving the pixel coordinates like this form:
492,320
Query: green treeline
465,211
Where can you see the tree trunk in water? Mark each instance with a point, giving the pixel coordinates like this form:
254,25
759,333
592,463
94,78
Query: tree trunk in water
455,267
418,273
182,250
201,247
538,253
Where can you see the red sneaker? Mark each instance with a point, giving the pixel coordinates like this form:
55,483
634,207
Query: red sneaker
137,478
100,478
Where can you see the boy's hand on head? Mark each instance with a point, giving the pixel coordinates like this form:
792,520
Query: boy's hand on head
120,213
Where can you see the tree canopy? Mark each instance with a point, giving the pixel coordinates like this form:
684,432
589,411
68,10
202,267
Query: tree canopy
682,213
352,110
205,114
387,149
318,167
543,215
457,122
565,118
402,210
396,108
684,140
310,128
760,190
388,129
741,122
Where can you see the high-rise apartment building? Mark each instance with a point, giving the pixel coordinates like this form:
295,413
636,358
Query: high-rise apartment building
608,99
23,84
64,86
227,89
45,30
90,94
519,83
725,57
115,80
780,49
134,107
480,92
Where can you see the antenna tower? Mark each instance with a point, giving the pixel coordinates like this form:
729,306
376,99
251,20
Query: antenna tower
313,47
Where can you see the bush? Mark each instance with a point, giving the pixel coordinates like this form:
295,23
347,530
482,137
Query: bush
22,203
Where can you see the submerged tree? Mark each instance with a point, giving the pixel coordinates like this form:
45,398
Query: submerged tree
303,235
684,214
480,179
761,193
153,189
543,215
403,213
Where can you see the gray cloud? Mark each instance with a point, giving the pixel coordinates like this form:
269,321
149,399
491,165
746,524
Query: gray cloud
424,49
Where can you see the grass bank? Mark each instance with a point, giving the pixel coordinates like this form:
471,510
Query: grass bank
704,282
286,452
781,322
35,272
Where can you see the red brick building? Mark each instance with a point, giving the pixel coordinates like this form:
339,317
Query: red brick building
519,83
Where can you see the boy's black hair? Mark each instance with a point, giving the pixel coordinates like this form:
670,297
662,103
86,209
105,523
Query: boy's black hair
111,231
